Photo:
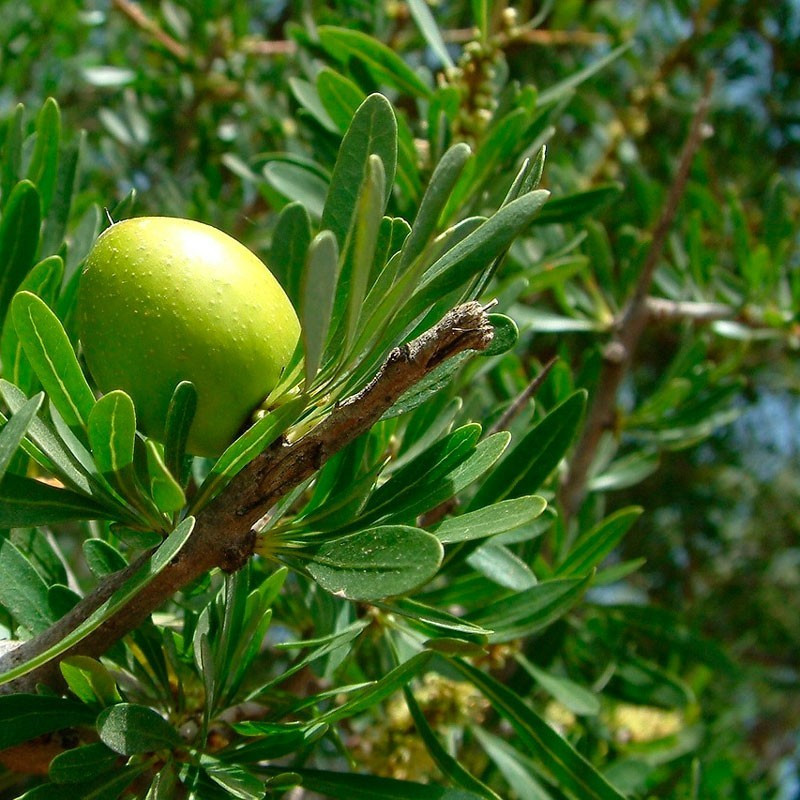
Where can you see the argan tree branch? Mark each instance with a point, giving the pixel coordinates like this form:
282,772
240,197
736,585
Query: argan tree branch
223,536
138,17
630,325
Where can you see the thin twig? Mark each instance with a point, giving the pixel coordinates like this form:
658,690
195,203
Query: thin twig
630,325
135,14
281,47
662,310
522,398
223,536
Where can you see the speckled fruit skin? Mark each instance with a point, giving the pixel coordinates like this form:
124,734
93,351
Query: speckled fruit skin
162,300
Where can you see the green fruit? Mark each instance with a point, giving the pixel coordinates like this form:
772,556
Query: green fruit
165,300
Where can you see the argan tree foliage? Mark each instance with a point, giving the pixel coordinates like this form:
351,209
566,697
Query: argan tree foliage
544,256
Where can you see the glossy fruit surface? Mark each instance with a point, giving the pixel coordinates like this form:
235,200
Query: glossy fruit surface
162,300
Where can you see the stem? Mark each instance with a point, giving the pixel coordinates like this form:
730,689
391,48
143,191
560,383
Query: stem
619,352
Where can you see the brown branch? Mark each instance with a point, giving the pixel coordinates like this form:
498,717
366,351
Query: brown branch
539,36
280,47
619,352
522,398
223,536
135,14
661,310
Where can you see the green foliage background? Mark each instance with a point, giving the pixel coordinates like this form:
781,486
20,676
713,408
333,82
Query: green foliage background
676,673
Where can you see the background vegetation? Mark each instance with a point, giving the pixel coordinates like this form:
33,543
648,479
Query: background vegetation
674,669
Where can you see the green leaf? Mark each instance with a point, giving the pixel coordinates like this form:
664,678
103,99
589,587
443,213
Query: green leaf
426,471
536,455
55,225
129,729
352,786
253,441
19,240
50,352
164,488
318,288
524,613
308,97
434,622
377,691
13,432
22,590
577,699
571,771
89,680
288,252
430,30
11,166
448,765
474,253
506,335
368,216
573,207
297,183
594,545
26,716
502,566
25,502
521,772
377,562
439,189
385,65
233,778
43,167
490,521
373,131
112,431
102,558
564,87
180,414
340,97
138,582
47,449
328,644
72,766
44,280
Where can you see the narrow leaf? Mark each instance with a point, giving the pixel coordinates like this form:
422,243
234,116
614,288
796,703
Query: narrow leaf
164,488
386,65
489,521
573,773
26,716
12,434
318,289
430,30
180,414
290,243
372,131
19,240
22,590
536,455
50,352
112,431
25,502
594,545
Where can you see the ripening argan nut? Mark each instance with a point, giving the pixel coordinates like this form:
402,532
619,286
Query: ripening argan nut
162,300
